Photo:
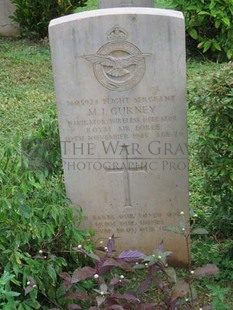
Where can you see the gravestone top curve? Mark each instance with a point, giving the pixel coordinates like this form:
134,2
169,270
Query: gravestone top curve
115,12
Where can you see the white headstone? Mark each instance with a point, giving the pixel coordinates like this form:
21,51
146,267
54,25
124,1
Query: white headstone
125,3
7,26
121,100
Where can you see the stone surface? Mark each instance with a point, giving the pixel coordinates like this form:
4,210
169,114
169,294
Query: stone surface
7,26
120,87
125,3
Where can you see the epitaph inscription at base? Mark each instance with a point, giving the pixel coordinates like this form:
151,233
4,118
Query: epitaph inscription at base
122,117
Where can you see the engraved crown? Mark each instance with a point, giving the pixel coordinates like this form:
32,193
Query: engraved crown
117,34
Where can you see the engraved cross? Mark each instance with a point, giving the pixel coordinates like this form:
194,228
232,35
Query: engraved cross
126,170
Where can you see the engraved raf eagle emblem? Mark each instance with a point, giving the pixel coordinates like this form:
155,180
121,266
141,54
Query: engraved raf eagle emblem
117,65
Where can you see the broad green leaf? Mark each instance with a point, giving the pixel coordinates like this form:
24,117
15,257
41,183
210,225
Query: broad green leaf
21,307
200,45
193,33
11,294
203,13
171,274
229,54
217,24
231,176
217,46
52,272
226,21
212,4
207,46
6,277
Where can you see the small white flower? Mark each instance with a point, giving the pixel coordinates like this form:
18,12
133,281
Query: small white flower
159,257
166,265
186,299
28,282
192,272
101,242
40,252
79,246
106,248
183,229
96,276
34,285
146,264
110,238
102,293
122,277
182,213
45,257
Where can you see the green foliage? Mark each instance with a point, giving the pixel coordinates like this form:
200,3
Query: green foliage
6,295
37,227
210,25
215,101
220,254
90,5
34,16
219,297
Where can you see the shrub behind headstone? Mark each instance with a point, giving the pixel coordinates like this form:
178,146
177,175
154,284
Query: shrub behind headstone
216,151
209,26
34,16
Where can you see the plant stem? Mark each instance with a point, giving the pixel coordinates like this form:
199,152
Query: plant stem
187,238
